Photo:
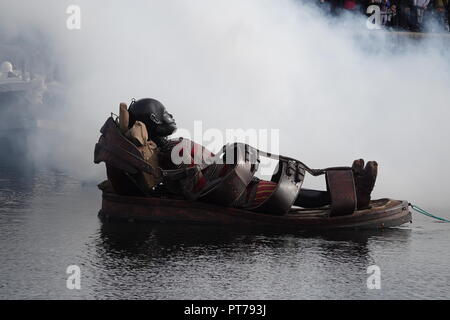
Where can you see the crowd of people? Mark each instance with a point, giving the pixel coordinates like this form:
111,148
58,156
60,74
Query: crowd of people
409,15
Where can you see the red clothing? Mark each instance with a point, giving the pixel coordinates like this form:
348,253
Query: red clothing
349,4
264,190
197,152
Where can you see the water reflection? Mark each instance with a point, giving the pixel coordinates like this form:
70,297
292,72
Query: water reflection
185,261
134,237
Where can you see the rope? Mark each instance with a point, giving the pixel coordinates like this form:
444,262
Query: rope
426,213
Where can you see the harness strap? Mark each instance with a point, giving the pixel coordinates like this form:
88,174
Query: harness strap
288,180
313,172
228,187
341,186
113,148
340,183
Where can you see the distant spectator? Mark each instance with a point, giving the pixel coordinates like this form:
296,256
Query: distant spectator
417,13
403,9
384,7
393,20
396,14
350,4
324,5
441,7
334,6
448,15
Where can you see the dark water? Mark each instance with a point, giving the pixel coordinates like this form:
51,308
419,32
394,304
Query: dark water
49,221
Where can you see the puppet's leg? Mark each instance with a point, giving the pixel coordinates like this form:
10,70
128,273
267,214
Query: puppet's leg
365,178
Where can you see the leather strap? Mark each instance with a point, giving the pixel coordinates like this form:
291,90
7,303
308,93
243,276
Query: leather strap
341,186
114,149
289,177
228,189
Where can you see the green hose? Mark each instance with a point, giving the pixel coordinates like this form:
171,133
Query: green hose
420,210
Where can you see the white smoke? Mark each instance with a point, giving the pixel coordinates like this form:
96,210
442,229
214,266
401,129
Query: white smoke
335,95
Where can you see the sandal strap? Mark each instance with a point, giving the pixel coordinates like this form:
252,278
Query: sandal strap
341,186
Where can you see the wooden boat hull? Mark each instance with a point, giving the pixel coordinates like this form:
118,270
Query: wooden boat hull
384,213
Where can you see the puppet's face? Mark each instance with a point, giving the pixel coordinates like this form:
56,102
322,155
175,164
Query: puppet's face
154,115
164,123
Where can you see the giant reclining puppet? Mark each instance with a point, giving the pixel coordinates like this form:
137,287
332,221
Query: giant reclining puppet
139,160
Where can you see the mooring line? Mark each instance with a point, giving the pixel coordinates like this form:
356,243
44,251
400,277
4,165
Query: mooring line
426,213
